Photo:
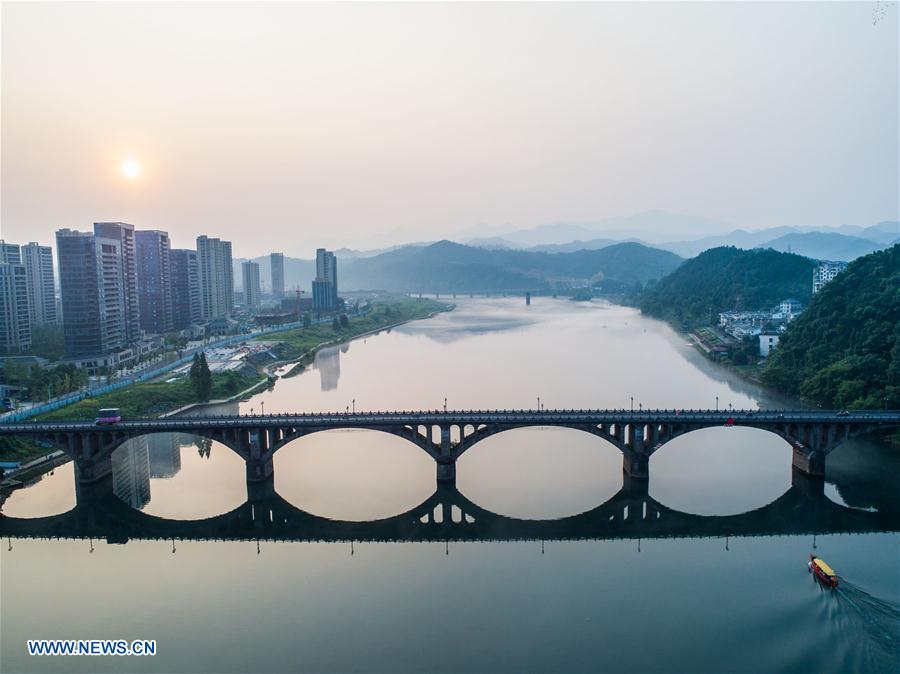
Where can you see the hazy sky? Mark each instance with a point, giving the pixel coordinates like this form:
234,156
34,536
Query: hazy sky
283,126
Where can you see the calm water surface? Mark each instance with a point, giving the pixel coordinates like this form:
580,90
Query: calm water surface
659,605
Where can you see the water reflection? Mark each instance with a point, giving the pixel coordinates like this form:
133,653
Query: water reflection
518,472
178,475
353,475
328,363
165,454
716,471
447,514
862,473
131,472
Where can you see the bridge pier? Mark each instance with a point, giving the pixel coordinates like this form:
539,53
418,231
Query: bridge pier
446,470
810,462
259,470
88,494
636,465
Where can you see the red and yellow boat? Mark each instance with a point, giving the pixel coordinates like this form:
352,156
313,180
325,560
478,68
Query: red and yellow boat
823,572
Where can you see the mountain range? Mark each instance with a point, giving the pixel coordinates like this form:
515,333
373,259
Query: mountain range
446,266
512,261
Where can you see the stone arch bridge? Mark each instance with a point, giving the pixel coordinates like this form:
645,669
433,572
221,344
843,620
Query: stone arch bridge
447,435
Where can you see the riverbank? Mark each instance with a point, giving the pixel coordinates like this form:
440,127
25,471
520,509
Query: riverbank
297,345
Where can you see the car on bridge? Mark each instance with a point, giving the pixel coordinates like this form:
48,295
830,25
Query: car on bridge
108,416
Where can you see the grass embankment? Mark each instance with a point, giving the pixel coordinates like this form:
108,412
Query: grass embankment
152,398
301,344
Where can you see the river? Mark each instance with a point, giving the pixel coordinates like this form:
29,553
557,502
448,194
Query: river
679,604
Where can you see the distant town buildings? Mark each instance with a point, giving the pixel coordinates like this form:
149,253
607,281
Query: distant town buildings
250,273
216,278
276,262
186,305
742,324
38,261
154,281
325,286
825,272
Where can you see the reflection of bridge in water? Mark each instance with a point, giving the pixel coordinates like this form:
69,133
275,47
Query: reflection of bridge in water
447,515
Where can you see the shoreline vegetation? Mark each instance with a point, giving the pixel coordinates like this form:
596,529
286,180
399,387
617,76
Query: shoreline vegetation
299,346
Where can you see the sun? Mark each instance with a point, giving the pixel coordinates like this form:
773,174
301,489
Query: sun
131,169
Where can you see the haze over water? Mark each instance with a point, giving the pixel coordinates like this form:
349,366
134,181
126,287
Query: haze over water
659,605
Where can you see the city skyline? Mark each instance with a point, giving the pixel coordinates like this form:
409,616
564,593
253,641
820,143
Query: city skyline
575,113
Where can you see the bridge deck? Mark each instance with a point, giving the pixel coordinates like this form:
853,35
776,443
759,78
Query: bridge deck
469,417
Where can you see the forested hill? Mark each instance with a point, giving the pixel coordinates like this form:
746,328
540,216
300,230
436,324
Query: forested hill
725,279
451,267
844,350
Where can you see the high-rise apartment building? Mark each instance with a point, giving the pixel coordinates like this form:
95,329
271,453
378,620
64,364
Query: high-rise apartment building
325,287
93,286
124,234
15,316
250,273
276,262
38,261
154,280
216,277
185,271
10,253
825,272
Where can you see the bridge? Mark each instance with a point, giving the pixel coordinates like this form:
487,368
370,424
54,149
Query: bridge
446,435
447,515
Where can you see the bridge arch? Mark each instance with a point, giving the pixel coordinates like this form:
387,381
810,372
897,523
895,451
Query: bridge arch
353,475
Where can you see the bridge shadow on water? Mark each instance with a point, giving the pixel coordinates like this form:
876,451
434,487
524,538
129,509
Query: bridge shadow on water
447,515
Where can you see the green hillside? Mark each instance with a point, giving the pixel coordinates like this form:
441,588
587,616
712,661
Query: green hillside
844,350
725,279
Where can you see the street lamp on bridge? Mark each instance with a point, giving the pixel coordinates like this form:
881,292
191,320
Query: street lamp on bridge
632,403
445,404
353,402
717,403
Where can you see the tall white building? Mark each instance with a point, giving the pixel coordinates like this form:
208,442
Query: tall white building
250,272
38,261
93,288
123,234
15,317
825,272
276,262
216,278
325,288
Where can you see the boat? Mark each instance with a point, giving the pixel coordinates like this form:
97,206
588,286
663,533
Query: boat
823,572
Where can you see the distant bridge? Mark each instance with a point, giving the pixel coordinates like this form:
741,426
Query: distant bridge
447,435
447,515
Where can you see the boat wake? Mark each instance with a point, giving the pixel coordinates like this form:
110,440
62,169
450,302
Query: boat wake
880,618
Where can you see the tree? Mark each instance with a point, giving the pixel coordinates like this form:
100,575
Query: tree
335,324
200,376
345,322
307,320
